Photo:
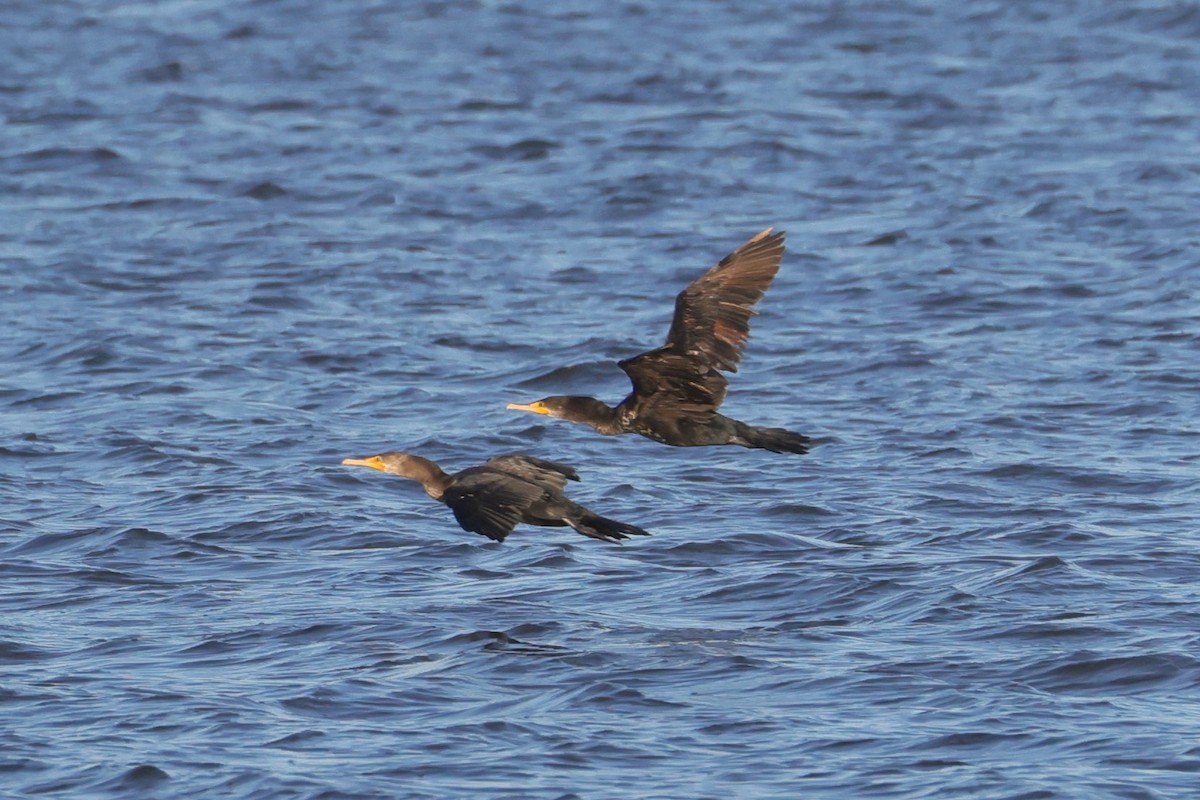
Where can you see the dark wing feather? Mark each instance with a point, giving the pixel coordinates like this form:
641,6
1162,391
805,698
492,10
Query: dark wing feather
489,501
549,474
686,385
712,315
708,332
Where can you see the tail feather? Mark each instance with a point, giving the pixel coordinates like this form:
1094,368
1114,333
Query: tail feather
595,526
777,440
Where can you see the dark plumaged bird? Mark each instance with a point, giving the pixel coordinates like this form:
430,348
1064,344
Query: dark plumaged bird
678,388
493,497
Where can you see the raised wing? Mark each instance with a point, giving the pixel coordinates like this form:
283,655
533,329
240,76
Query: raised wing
549,474
712,315
708,332
489,501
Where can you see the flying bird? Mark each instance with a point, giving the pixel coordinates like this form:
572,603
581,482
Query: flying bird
492,498
677,388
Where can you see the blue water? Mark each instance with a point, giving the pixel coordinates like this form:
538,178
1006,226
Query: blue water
241,241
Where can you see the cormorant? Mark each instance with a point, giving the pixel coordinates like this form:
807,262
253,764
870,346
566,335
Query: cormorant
678,387
493,497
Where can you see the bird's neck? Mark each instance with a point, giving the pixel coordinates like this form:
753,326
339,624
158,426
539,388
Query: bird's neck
610,425
604,418
431,477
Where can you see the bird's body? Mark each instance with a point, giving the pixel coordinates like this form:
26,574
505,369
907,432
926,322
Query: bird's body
492,498
677,388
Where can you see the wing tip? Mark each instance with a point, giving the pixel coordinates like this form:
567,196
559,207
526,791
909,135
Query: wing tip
767,233
766,242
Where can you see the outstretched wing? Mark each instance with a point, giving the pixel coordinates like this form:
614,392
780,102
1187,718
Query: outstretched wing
549,474
710,328
712,315
490,502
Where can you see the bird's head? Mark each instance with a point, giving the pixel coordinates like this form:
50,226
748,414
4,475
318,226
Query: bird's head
588,410
393,462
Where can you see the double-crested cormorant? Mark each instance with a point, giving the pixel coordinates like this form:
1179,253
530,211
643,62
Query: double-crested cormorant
678,388
492,498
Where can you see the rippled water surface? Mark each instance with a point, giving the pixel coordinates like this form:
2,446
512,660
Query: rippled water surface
240,241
